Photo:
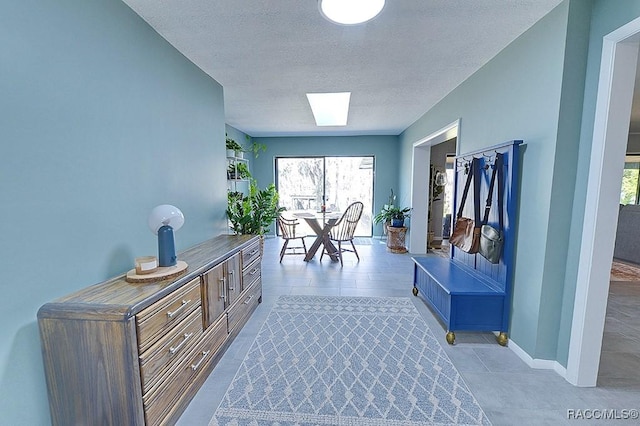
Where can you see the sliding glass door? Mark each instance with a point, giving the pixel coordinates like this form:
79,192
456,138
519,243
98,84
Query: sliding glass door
305,184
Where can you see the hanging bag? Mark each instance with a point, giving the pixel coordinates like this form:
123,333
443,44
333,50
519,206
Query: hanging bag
491,239
466,233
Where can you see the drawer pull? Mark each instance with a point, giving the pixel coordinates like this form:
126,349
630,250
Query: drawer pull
253,252
254,271
246,302
232,281
173,350
221,289
184,303
194,367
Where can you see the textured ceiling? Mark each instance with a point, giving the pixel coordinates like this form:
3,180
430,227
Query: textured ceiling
268,54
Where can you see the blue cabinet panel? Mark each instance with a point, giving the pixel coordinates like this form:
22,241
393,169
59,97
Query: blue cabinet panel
473,313
435,294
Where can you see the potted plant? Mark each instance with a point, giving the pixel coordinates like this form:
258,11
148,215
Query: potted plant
233,196
399,215
253,213
234,149
238,171
392,215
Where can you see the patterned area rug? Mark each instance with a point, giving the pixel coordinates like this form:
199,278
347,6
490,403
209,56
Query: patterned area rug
347,361
624,272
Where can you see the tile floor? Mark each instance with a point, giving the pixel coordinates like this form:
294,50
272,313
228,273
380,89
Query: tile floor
508,390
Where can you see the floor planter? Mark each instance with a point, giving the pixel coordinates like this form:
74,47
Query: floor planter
396,239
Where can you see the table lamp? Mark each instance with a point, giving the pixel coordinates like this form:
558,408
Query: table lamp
163,220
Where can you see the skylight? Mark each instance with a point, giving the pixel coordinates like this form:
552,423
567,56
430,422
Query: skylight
330,109
351,12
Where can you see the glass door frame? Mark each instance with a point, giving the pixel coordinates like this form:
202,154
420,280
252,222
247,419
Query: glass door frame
324,178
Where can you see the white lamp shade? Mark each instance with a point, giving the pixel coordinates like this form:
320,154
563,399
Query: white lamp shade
165,214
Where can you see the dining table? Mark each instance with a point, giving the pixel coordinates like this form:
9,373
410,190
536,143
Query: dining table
321,223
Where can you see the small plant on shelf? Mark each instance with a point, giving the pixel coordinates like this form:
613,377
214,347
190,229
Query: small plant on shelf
238,171
234,146
233,196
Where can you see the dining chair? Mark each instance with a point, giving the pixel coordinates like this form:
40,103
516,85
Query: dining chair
288,233
344,230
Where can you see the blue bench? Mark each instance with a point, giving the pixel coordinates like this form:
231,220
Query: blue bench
467,291
465,299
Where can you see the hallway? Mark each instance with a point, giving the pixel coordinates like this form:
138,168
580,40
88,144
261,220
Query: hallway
508,390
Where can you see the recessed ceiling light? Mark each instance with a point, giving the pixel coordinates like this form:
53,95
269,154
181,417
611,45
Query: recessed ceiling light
350,12
330,109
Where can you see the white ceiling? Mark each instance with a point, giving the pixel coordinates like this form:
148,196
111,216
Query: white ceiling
268,54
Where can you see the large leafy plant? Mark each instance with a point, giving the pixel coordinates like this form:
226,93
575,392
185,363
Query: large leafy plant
389,212
253,213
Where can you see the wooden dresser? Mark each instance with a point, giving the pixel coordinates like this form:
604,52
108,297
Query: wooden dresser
120,353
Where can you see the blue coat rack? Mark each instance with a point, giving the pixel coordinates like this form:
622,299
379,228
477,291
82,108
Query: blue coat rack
468,292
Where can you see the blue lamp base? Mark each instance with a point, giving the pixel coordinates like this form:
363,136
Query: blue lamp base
166,247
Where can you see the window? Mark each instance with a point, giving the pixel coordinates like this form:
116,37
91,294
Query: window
629,194
305,184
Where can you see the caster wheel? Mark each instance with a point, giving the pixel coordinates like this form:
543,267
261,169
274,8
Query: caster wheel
502,339
451,337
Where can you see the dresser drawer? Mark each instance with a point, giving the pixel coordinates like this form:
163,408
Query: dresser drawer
159,318
239,312
251,274
158,402
170,349
250,254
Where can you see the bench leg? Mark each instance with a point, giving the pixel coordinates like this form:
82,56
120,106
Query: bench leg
451,337
415,290
502,338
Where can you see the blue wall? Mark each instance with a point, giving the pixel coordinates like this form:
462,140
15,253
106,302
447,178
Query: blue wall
385,149
100,121
532,90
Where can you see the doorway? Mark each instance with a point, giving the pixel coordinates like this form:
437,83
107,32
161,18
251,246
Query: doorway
420,176
610,135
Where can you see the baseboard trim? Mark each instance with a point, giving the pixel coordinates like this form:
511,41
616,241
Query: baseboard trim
539,364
